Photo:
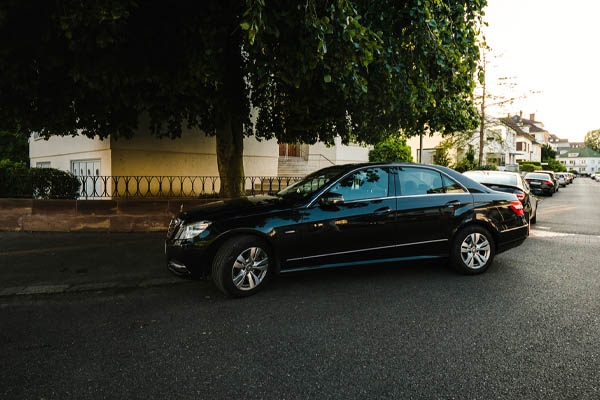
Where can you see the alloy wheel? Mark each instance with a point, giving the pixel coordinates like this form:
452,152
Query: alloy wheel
475,250
250,268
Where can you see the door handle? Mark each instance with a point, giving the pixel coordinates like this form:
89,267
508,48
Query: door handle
453,203
382,211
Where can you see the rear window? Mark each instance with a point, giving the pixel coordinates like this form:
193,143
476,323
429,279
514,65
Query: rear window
500,179
537,176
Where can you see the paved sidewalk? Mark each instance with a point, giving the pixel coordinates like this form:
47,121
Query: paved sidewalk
44,263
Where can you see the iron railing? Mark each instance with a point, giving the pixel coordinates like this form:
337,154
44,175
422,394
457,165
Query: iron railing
104,187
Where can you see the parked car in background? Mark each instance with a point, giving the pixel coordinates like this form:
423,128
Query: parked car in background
553,177
346,215
562,179
569,177
509,182
540,183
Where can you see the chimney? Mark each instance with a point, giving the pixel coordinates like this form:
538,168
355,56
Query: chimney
532,117
521,114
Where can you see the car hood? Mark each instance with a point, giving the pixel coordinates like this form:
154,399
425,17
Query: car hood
237,208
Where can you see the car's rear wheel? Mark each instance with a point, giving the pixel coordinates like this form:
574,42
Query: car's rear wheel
534,218
473,250
241,266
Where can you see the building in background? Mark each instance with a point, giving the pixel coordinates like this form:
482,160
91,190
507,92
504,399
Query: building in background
581,159
430,143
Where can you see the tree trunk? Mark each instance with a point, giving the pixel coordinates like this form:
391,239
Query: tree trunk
229,122
230,156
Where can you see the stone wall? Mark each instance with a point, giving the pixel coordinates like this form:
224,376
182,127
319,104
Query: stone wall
90,215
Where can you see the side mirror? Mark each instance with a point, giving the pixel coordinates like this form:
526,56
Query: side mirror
331,199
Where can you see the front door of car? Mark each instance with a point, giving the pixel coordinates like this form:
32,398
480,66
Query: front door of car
358,228
428,206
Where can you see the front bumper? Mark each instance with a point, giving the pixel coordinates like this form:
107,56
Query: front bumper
186,260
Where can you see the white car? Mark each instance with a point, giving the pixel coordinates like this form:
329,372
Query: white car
562,179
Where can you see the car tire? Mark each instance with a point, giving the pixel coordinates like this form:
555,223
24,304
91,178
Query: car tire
462,247
242,266
534,218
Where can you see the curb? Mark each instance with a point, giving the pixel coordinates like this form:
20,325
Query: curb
86,287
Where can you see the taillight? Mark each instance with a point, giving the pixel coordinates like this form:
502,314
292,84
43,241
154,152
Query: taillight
520,196
517,207
548,183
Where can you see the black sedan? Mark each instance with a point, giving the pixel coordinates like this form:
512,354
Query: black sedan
509,182
540,183
346,215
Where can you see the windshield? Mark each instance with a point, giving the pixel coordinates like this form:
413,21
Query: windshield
538,176
312,183
491,177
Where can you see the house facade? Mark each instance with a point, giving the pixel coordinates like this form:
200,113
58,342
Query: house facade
581,159
430,142
527,147
193,154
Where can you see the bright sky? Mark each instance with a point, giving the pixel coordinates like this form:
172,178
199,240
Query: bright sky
551,46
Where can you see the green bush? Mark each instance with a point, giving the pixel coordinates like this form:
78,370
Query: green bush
527,168
574,172
556,166
16,180
488,167
521,162
393,149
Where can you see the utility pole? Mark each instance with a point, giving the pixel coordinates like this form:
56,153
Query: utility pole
482,122
420,148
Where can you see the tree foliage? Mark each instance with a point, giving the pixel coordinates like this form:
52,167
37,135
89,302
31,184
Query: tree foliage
314,70
592,139
14,147
441,156
548,153
393,149
466,163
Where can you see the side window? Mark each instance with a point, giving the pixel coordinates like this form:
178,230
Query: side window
419,181
369,183
452,186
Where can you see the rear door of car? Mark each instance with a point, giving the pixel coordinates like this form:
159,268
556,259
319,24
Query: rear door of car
359,229
429,205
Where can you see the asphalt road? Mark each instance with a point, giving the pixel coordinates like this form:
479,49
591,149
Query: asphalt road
529,328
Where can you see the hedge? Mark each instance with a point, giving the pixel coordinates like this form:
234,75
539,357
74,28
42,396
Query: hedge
38,183
529,168
523,162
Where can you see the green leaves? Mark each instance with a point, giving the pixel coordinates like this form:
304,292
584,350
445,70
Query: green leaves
398,66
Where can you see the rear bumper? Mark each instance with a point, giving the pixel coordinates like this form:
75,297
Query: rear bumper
512,238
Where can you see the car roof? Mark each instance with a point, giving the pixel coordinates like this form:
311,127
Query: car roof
462,179
487,172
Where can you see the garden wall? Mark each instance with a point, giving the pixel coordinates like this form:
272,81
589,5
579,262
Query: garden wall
90,215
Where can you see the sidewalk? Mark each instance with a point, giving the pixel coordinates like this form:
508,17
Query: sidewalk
43,263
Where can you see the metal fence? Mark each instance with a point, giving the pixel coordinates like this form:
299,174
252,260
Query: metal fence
99,187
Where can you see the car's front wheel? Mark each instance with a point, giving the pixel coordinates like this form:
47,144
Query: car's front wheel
242,266
473,250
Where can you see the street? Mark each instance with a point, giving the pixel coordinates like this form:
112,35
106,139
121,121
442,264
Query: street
528,328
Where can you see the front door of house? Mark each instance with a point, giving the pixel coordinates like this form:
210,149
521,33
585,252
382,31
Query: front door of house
289,150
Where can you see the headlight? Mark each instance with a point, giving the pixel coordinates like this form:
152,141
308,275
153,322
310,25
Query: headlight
192,230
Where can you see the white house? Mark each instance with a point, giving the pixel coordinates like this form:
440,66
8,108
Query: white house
193,154
527,148
582,159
